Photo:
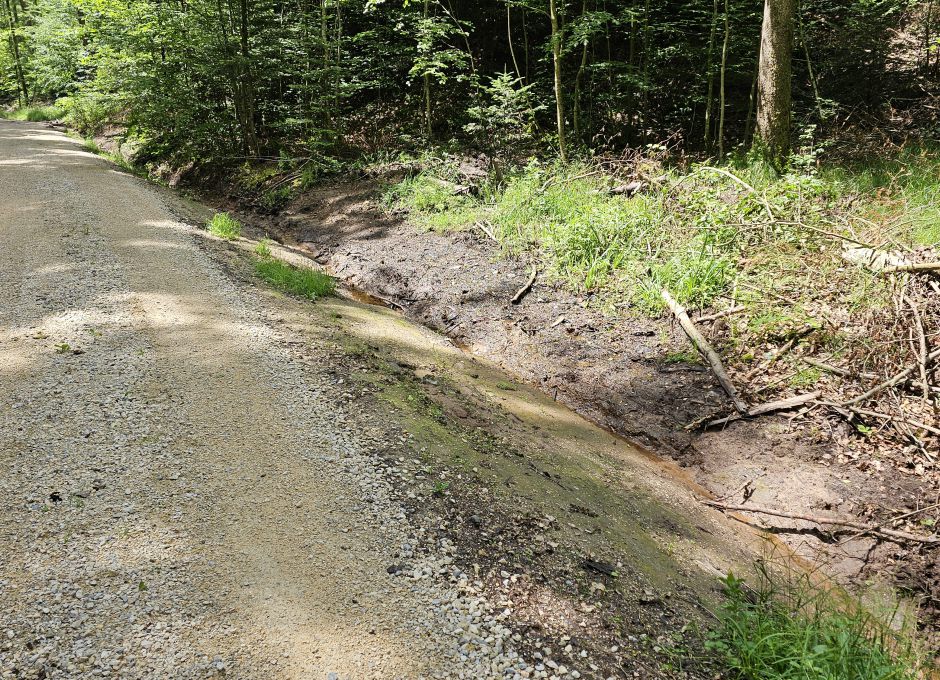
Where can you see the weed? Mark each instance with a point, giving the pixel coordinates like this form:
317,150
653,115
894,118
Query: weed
508,387
440,488
63,348
263,249
224,226
91,146
682,357
306,283
786,629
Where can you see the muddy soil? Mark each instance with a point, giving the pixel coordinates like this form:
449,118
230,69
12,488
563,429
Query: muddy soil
618,371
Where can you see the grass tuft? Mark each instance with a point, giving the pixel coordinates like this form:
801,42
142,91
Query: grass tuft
306,283
224,226
789,630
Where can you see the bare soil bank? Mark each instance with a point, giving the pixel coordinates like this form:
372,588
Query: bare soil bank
617,371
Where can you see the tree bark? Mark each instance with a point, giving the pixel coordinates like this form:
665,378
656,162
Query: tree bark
774,80
559,91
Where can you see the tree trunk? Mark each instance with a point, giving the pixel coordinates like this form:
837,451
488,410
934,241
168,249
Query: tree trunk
773,81
709,67
15,51
559,92
721,90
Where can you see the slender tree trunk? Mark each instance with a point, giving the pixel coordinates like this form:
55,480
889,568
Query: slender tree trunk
512,49
709,67
427,86
15,50
559,92
809,66
774,80
721,89
576,110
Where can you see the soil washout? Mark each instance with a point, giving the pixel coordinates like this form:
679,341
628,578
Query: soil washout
618,371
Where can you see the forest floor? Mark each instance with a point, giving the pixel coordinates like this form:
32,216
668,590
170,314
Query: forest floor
619,372
199,475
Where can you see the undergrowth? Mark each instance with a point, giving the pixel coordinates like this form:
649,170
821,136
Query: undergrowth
786,628
702,232
306,283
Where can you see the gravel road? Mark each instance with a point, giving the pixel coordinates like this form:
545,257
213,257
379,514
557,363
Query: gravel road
181,497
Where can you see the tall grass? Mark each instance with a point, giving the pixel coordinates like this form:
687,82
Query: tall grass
35,114
702,232
224,226
784,628
305,283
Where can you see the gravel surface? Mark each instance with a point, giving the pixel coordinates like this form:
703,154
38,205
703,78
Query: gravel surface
180,495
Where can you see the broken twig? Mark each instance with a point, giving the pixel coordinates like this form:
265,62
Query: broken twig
913,267
707,351
720,315
769,407
890,382
522,292
876,529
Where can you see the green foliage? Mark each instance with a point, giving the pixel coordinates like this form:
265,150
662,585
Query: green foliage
787,629
305,283
88,113
224,226
437,204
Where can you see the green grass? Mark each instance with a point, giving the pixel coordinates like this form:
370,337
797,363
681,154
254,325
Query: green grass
698,231
224,226
35,114
263,249
306,283
787,629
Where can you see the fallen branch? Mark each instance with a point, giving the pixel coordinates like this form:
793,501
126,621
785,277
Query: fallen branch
702,345
922,345
769,407
720,315
876,529
522,292
721,171
844,372
844,411
874,259
891,382
912,267
482,227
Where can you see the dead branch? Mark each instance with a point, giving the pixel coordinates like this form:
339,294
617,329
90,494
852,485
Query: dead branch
522,292
721,171
875,529
922,343
628,189
720,315
705,349
845,412
482,227
891,382
874,259
768,407
912,267
844,372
